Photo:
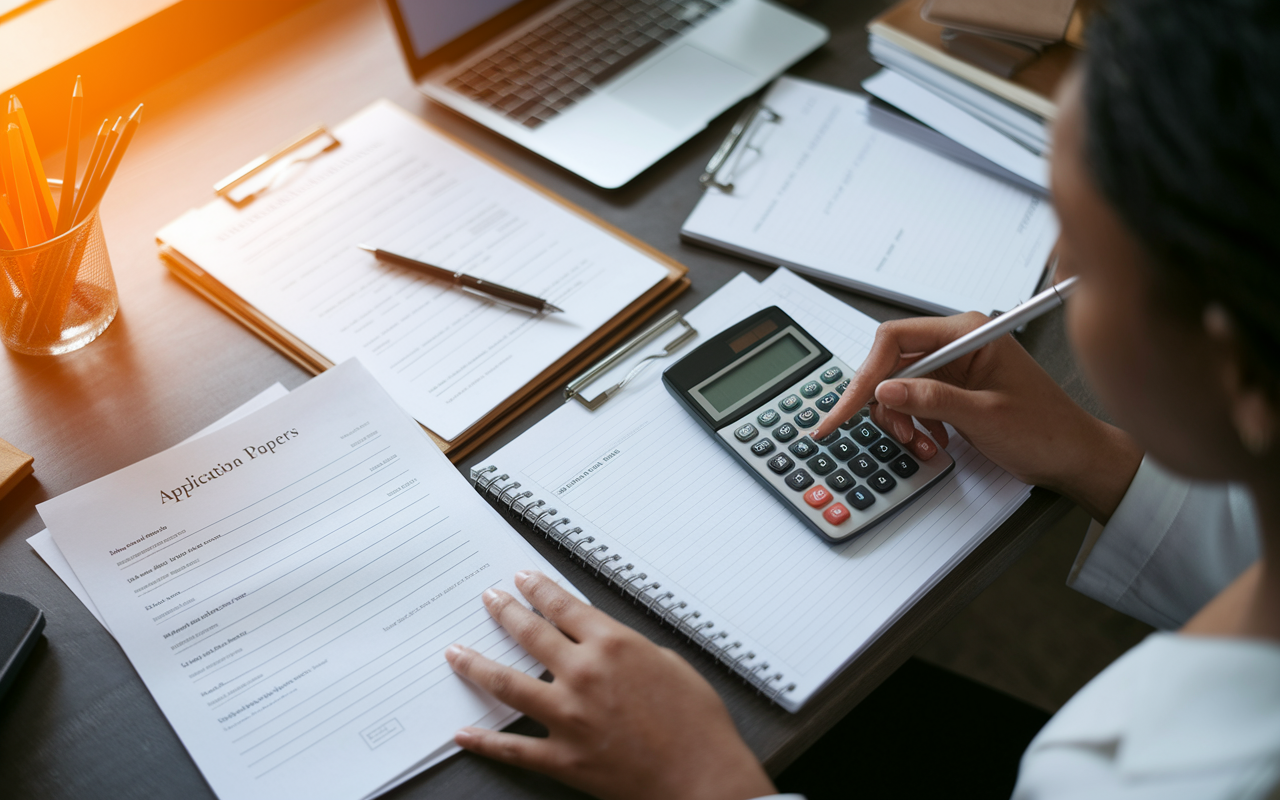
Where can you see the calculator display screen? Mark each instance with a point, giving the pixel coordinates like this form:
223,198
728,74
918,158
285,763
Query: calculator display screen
758,371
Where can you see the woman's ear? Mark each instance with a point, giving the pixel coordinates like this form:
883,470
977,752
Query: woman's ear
1253,412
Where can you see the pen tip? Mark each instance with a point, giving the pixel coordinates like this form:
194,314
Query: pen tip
79,90
14,103
137,114
552,309
368,248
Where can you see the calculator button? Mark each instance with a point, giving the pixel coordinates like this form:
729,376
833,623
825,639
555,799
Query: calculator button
785,432
862,465
803,448
768,418
780,463
818,496
842,385
860,498
763,447
844,448
840,480
807,418
829,438
827,401
831,375
811,389
884,449
882,482
904,466
790,403
865,433
745,433
852,421
822,463
836,514
799,480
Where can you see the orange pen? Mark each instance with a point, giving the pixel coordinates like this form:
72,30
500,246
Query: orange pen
10,187
48,210
32,225
10,234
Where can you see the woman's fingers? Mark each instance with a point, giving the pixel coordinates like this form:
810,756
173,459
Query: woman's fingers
526,752
938,431
534,633
513,687
577,619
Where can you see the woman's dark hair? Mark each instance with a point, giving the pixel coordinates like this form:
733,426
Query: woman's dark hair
1182,108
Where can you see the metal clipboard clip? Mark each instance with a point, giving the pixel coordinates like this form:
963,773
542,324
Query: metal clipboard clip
738,137
670,320
267,172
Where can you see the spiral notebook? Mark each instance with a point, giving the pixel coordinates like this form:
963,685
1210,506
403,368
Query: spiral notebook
652,505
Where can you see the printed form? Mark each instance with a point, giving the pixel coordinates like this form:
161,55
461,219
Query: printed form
447,356
286,587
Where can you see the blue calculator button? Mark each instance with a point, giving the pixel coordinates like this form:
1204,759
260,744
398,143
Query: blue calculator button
865,433
785,432
807,418
763,447
904,466
780,463
832,374
745,433
882,482
821,464
860,498
842,385
843,449
768,418
790,403
862,465
827,401
885,450
811,389
799,480
840,480
803,448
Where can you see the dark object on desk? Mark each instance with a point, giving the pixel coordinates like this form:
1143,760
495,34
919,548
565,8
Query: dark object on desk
926,732
467,283
1030,21
1002,57
20,626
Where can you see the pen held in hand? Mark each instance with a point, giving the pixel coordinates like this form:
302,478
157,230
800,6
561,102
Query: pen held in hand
469,283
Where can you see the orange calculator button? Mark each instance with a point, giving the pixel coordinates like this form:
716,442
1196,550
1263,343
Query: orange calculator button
836,514
817,497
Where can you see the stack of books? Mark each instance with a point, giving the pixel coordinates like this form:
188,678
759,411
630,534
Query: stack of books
992,94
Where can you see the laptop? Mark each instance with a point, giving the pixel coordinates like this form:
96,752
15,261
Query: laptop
603,88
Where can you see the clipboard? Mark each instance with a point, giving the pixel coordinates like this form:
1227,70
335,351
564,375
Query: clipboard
274,170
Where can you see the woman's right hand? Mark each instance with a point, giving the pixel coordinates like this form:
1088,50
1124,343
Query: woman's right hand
1001,401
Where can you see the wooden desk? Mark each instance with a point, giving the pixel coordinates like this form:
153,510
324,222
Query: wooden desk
78,722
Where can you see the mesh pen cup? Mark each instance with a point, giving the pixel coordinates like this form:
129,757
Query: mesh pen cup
58,295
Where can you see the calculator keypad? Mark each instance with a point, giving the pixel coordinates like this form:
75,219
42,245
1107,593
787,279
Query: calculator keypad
842,483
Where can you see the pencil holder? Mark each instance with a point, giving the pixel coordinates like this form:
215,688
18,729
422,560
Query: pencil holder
59,295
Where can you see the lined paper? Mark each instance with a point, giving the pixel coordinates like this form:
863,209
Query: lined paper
448,357
643,478
826,193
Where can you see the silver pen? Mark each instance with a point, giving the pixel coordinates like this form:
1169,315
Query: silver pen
1037,306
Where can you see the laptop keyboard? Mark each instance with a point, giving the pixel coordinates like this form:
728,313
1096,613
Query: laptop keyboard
563,60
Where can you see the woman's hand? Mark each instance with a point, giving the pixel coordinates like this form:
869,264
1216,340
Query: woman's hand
627,719
1001,401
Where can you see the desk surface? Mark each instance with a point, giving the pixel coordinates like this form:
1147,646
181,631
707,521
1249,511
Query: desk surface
79,722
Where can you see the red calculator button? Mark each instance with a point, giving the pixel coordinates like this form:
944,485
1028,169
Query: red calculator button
818,497
836,514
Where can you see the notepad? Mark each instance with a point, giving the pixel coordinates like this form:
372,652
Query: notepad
286,586
650,503
825,192
287,265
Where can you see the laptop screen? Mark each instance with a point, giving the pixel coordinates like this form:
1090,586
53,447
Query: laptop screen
432,23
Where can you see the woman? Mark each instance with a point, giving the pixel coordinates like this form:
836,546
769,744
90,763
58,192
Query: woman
1167,183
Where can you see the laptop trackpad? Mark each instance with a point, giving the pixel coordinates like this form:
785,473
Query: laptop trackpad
683,87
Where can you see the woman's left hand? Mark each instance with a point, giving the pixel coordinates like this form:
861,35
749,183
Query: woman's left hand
627,719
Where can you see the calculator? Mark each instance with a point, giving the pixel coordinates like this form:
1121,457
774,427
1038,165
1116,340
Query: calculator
759,386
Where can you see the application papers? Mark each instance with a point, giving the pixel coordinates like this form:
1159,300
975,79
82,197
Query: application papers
286,586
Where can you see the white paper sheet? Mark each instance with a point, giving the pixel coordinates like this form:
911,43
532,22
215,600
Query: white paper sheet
643,478
447,356
286,586
826,193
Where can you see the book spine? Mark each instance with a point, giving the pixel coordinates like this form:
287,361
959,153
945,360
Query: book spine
629,578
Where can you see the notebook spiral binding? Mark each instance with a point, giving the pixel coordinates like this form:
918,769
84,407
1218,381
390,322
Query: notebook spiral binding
504,494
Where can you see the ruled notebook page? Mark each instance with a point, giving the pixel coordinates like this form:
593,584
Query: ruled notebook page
642,477
824,192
